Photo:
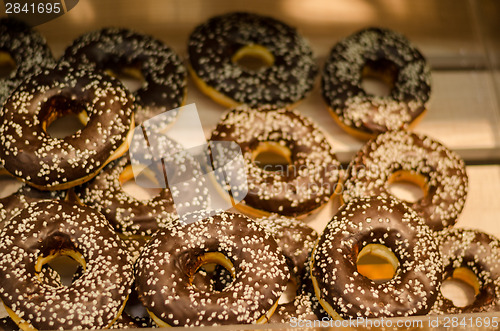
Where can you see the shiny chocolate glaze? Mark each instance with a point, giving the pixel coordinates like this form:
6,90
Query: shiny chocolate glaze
478,252
377,220
169,261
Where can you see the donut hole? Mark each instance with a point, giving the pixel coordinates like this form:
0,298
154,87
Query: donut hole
131,77
272,156
378,77
7,64
377,262
253,58
68,264
290,292
461,288
214,273
62,117
9,185
143,187
407,186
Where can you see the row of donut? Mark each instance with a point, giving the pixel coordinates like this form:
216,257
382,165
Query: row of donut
216,46
255,259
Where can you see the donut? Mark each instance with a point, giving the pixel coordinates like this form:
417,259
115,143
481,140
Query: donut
375,52
135,311
45,230
473,257
119,50
413,250
49,276
216,46
49,163
133,217
296,241
165,269
25,50
308,181
135,245
405,156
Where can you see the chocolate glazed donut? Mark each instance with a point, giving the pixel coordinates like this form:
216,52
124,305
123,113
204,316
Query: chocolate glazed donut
48,163
40,233
405,156
309,180
344,292
214,49
465,252
26,48
164,86
165,269
380,53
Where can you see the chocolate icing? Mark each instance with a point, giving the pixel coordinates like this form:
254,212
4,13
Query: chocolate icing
377,220
444,170
480,253
130,216
27,48
308,182
7,324
296,240
14,203
30,153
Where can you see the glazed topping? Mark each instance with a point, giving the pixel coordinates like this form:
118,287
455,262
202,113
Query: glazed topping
27,48
164,74
377,220
310,178
343,74
173,255
49,227
29,152
443,170
213,44
479,253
